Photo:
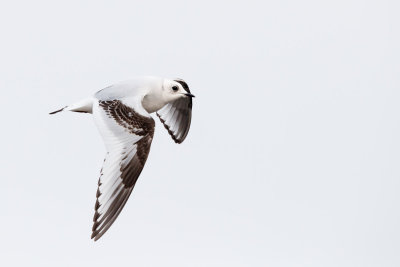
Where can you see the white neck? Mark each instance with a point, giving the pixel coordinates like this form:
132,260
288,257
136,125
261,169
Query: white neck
152,102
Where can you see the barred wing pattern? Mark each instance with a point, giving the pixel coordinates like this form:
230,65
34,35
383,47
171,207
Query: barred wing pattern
128,136
176,116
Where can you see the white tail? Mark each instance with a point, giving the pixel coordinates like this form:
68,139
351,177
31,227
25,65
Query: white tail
84,106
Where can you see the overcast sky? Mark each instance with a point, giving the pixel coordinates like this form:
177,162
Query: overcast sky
293,157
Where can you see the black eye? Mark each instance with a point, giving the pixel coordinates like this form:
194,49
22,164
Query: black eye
175,88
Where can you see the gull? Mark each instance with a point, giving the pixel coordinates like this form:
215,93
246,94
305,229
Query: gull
122,115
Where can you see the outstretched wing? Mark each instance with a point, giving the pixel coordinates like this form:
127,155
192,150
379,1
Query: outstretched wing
127,135
176,116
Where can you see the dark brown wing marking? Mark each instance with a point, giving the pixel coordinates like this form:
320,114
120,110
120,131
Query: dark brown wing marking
129,170
128,118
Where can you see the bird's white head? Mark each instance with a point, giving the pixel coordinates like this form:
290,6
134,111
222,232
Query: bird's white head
175,89
170,91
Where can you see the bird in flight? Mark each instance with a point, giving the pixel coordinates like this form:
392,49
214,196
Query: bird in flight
122,115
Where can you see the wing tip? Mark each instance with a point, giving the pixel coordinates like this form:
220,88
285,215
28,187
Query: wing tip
96,233
95,237
171,133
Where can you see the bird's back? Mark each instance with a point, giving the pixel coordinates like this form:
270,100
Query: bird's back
129,88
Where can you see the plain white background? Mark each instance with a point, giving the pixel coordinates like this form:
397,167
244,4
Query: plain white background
293,154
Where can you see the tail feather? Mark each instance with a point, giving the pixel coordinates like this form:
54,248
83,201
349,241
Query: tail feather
84,106
54,112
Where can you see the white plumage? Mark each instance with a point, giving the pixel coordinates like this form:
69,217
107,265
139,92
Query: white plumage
122,115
